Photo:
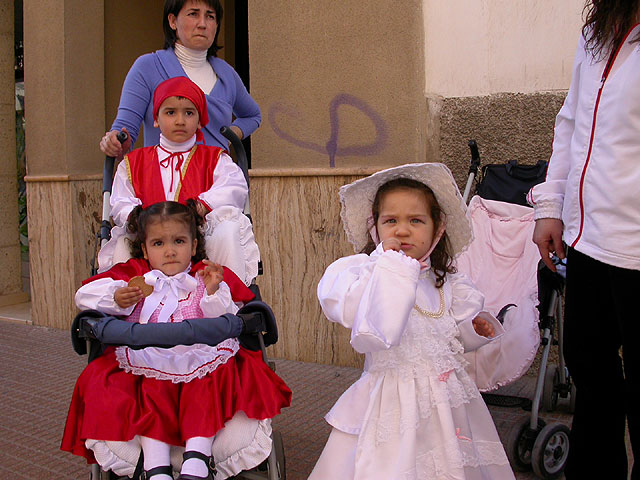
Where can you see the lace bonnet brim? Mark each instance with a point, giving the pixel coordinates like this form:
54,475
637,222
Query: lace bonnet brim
357,200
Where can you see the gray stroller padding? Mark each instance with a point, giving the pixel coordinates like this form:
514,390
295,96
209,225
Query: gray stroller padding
110,330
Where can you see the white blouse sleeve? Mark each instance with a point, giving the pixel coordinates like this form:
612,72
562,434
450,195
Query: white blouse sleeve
467,302
229,185
99,295
372,295
123,197
218,303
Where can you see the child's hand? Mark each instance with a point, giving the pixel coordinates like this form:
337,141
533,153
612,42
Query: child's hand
483,327
127,296
211,276
392,244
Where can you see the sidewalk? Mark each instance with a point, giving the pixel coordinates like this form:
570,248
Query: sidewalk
38,369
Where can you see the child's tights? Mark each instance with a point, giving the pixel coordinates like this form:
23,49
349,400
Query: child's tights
157,453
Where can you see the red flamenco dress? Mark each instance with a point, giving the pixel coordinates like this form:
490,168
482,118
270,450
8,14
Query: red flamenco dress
171,394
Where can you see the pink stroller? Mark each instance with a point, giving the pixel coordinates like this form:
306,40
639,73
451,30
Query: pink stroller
504,264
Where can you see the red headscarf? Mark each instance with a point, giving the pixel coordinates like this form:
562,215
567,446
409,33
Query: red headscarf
182,87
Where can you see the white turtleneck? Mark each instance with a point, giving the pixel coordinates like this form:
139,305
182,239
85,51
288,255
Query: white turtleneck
195,65
171,171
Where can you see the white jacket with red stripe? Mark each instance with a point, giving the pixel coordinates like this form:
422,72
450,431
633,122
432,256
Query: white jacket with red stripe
593,181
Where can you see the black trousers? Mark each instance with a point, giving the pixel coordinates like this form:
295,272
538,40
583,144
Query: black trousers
602,315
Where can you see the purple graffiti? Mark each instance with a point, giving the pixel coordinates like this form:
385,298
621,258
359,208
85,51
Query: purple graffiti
331,147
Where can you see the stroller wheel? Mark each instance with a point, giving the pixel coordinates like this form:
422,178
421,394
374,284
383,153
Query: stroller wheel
550,451
550,391
520,440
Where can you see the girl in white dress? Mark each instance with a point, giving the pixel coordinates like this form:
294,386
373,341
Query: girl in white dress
415,413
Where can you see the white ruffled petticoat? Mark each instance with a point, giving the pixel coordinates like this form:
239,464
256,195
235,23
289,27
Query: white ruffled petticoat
243,446
229,241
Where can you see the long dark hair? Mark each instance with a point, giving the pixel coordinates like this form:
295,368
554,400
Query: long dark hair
441,259
140,218
174,7
606,24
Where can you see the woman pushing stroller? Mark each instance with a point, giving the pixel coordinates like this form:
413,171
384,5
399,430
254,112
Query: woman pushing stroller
178,169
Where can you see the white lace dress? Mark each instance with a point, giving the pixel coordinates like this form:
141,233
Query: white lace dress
415,413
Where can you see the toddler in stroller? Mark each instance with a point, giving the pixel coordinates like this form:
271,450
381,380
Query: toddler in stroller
178,396
179,169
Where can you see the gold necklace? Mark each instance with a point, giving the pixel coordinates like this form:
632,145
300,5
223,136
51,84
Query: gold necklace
437,314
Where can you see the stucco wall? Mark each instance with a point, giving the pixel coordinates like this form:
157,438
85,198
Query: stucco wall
483,47
10,281
339,83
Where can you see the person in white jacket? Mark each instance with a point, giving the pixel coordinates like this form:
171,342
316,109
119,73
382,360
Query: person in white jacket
590,201
415,413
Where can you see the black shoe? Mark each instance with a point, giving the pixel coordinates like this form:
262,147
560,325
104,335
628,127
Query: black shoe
200,456
166,469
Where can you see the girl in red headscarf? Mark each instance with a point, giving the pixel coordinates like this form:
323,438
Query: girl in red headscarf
179,169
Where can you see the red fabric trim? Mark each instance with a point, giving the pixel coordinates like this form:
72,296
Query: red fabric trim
198,176
206,205
133,267
239,291
146,178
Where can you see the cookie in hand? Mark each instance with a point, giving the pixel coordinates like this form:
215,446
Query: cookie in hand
142,285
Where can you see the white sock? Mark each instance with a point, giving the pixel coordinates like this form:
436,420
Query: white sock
195,466
156,454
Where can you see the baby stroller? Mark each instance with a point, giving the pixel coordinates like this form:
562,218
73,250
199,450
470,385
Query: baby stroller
91,331
527,298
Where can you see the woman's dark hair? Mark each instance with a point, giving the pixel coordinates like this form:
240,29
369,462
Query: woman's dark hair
606,24
174,7
140,218
441,260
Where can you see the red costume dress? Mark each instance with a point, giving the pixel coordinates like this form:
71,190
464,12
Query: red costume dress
169,394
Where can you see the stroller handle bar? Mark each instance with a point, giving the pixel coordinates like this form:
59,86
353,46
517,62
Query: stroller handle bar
473,168
107,175
243,163
107,181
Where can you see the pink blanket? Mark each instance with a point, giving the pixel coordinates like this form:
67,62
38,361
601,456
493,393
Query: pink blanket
502,261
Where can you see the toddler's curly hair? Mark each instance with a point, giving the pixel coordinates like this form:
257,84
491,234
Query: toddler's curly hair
140,218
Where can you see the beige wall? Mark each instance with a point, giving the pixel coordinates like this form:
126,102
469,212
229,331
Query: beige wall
64,85
10,281
64,107
362,58
130,30
493,46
